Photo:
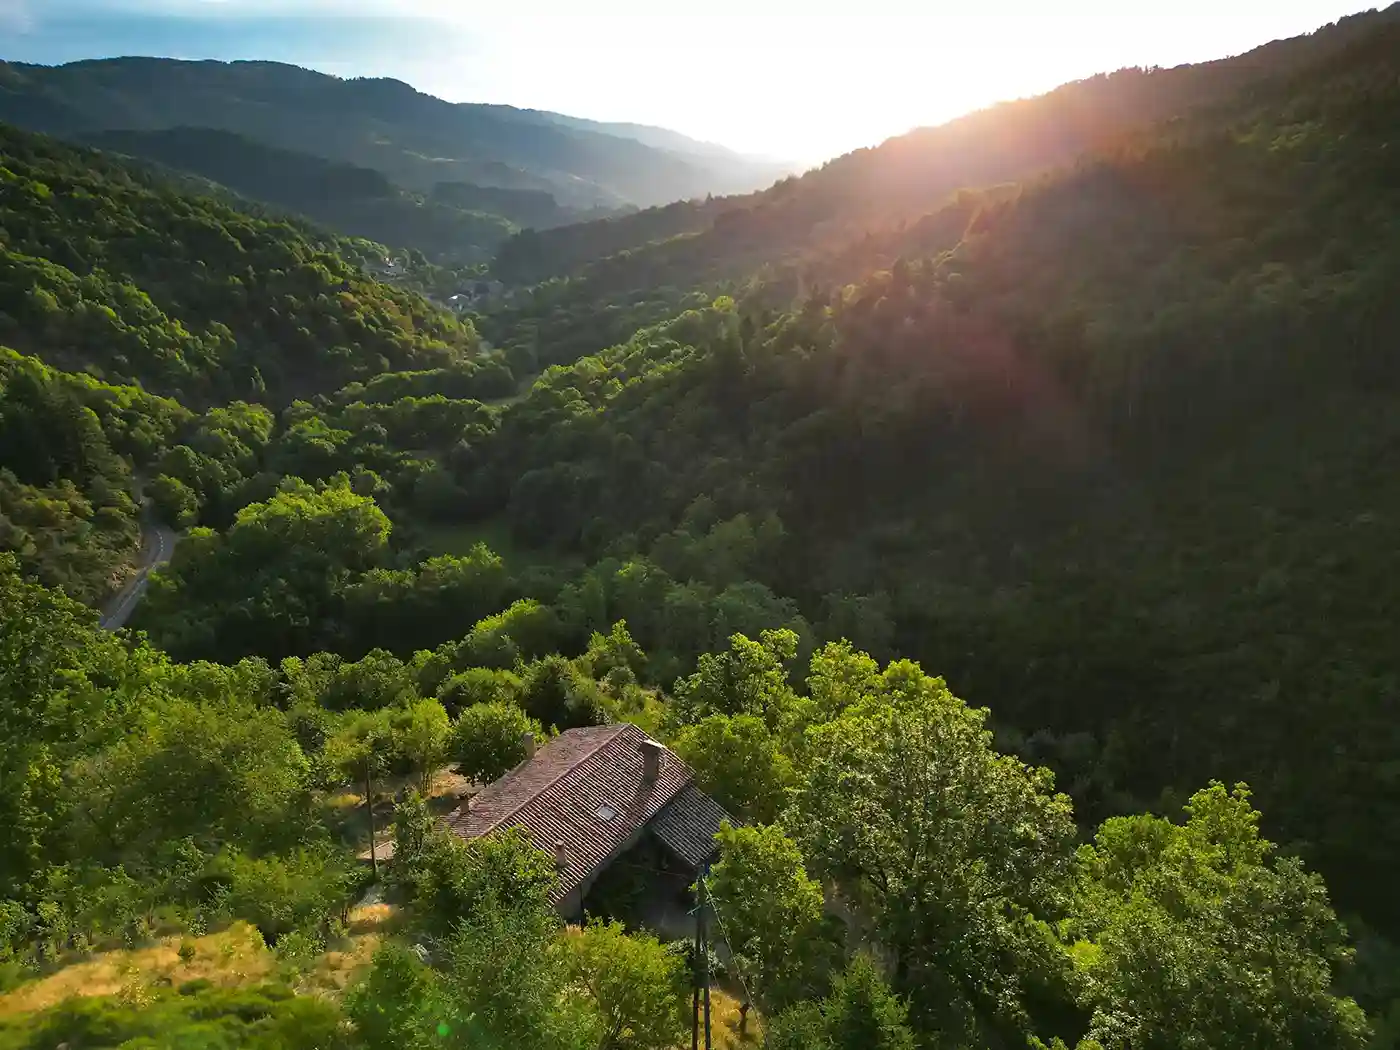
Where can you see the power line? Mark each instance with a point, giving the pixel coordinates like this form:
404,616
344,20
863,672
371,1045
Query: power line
733,953
705,957
700,966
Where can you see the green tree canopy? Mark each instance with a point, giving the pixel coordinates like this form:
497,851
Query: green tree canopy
737,761
751,678
953,850
637,990
1197,934
333,525
863,1014
252,781
53,707
488,740
773,911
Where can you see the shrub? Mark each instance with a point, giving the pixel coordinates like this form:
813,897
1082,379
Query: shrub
478,685
559,696
282,894
488,739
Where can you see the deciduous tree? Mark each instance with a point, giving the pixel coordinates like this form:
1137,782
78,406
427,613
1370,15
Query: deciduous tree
738,762
954,851
488,739
1197,934
772,910
635,988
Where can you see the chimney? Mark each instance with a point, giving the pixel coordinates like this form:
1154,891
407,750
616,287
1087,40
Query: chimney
528,740
561,855
651,759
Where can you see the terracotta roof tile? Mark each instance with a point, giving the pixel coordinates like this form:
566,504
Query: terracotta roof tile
585,787
499,799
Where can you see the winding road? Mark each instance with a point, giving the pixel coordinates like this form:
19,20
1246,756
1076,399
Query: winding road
157,547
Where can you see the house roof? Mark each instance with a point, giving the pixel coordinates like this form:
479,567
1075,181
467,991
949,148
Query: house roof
587,788
688,824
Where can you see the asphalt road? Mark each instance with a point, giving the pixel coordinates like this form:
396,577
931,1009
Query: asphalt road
157,547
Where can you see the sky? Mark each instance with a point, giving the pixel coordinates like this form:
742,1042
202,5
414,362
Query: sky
800,81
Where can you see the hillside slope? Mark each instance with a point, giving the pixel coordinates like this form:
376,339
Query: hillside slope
658,138
415,139
904,177
1108,450
117,284
107,268
356,201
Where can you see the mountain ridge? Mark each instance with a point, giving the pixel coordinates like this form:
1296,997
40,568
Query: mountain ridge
349,198
1109,449
416,139
913,174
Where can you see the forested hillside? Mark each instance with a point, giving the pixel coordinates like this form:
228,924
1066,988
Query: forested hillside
415,139
111,270
69,446
851,196
1111,456
370,158
1107,449
357,201
115,278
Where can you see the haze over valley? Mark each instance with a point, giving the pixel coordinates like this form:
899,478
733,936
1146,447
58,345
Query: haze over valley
907,503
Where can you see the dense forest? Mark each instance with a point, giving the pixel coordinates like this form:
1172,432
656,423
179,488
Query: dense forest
106,269
386,125
1110,455
1100,441
357,201
370,158
866,191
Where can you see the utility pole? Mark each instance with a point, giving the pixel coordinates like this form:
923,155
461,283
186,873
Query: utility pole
701,970
696,980
705,959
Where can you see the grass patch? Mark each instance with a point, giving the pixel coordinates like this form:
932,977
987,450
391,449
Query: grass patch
724,1023
232,958
338,968
229,958
197,1014
346,806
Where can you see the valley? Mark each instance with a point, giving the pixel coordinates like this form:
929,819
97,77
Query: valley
998,522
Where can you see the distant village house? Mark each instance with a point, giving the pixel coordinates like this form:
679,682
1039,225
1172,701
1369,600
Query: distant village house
474,294
386,268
